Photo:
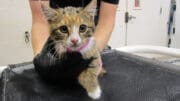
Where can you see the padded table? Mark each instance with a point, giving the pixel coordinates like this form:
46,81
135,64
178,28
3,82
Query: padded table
128,78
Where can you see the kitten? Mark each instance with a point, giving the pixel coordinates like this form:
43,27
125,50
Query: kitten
71,29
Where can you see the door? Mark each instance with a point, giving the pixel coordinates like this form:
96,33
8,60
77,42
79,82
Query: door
145,26
147,23
15,25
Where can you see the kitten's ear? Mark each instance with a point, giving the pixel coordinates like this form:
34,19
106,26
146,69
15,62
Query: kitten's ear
49,13
91,7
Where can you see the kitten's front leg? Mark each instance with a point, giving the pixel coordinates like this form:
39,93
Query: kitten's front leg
89,80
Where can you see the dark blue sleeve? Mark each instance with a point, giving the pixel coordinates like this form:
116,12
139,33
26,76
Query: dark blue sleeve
111,1
65,3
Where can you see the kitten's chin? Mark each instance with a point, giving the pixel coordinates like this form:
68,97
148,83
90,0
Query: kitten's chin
75,46
72,48
78,48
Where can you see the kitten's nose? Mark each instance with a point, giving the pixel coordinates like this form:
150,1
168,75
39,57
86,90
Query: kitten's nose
74,41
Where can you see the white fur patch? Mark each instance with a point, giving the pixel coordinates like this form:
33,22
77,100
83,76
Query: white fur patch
96,94
74,35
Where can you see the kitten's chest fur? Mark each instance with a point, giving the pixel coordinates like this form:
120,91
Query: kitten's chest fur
69,65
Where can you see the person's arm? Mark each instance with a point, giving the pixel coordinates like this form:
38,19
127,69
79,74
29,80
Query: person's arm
105,24
40,29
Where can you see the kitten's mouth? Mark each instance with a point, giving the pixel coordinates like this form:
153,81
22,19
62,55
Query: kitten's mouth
77,48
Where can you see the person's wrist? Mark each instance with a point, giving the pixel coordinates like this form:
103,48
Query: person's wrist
98,43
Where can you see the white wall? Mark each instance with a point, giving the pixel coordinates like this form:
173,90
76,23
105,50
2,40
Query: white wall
118,35
15,19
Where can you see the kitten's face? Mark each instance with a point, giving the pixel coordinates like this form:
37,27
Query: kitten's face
71,27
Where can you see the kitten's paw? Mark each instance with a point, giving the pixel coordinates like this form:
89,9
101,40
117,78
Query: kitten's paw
96,94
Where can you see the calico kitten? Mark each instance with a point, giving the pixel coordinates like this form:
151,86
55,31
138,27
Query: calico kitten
71,30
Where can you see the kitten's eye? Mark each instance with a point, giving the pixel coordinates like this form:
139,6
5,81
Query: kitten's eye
82,28
63,29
